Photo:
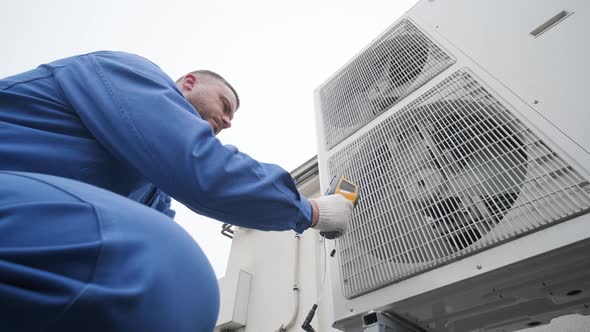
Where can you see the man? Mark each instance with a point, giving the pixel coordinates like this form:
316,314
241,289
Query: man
87,145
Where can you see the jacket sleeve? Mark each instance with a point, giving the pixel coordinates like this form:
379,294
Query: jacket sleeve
137,113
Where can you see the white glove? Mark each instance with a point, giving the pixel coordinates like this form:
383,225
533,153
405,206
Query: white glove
334,213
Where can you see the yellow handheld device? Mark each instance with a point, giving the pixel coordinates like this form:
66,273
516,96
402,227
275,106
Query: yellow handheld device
342,186
350,191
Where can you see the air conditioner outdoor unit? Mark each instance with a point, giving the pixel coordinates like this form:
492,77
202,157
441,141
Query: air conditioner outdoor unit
465,126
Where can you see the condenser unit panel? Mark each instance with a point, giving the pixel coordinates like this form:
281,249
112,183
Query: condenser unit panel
390,68
451,173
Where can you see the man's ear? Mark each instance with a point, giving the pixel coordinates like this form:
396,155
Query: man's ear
189,81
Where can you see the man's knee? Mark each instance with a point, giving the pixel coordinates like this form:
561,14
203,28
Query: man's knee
151,270
153,279
155,273
146,272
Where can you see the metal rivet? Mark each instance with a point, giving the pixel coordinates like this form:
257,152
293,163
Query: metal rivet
351,309
479,267
535,102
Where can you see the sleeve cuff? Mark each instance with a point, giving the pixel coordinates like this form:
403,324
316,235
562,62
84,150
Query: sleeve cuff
303,221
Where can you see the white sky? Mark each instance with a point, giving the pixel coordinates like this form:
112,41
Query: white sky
275,53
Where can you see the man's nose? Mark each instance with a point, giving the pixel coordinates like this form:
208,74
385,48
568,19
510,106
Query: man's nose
226,122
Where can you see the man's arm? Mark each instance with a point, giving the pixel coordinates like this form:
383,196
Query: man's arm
136,112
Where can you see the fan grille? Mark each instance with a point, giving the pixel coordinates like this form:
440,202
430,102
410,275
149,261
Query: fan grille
451,173
391,67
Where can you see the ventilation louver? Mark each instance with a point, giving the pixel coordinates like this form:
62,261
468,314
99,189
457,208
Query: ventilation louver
451,173
393,66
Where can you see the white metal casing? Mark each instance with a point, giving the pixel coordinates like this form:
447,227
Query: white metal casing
541,81
234,298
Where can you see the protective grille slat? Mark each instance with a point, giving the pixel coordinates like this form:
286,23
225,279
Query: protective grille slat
451,173
393,66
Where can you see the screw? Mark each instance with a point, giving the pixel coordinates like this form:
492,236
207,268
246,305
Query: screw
351,309
535,102
478,267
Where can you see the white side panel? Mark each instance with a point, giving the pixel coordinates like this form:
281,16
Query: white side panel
550,72
234,298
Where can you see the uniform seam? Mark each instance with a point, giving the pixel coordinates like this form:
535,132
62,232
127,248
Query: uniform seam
27,81
59,88
91,280
125,115
100,250
45,182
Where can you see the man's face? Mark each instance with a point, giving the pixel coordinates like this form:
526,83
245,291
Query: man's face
213,100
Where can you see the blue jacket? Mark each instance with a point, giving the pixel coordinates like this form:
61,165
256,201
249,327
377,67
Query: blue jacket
117,121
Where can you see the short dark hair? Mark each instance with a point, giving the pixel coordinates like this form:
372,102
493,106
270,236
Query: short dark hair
216,76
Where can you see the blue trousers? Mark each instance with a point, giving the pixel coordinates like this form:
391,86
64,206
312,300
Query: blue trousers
74,257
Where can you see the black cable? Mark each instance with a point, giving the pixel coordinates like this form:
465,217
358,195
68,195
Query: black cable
307,322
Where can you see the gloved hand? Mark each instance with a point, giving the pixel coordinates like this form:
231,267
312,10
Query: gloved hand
334,213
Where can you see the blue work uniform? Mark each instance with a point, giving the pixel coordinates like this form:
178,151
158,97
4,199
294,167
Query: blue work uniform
90,148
